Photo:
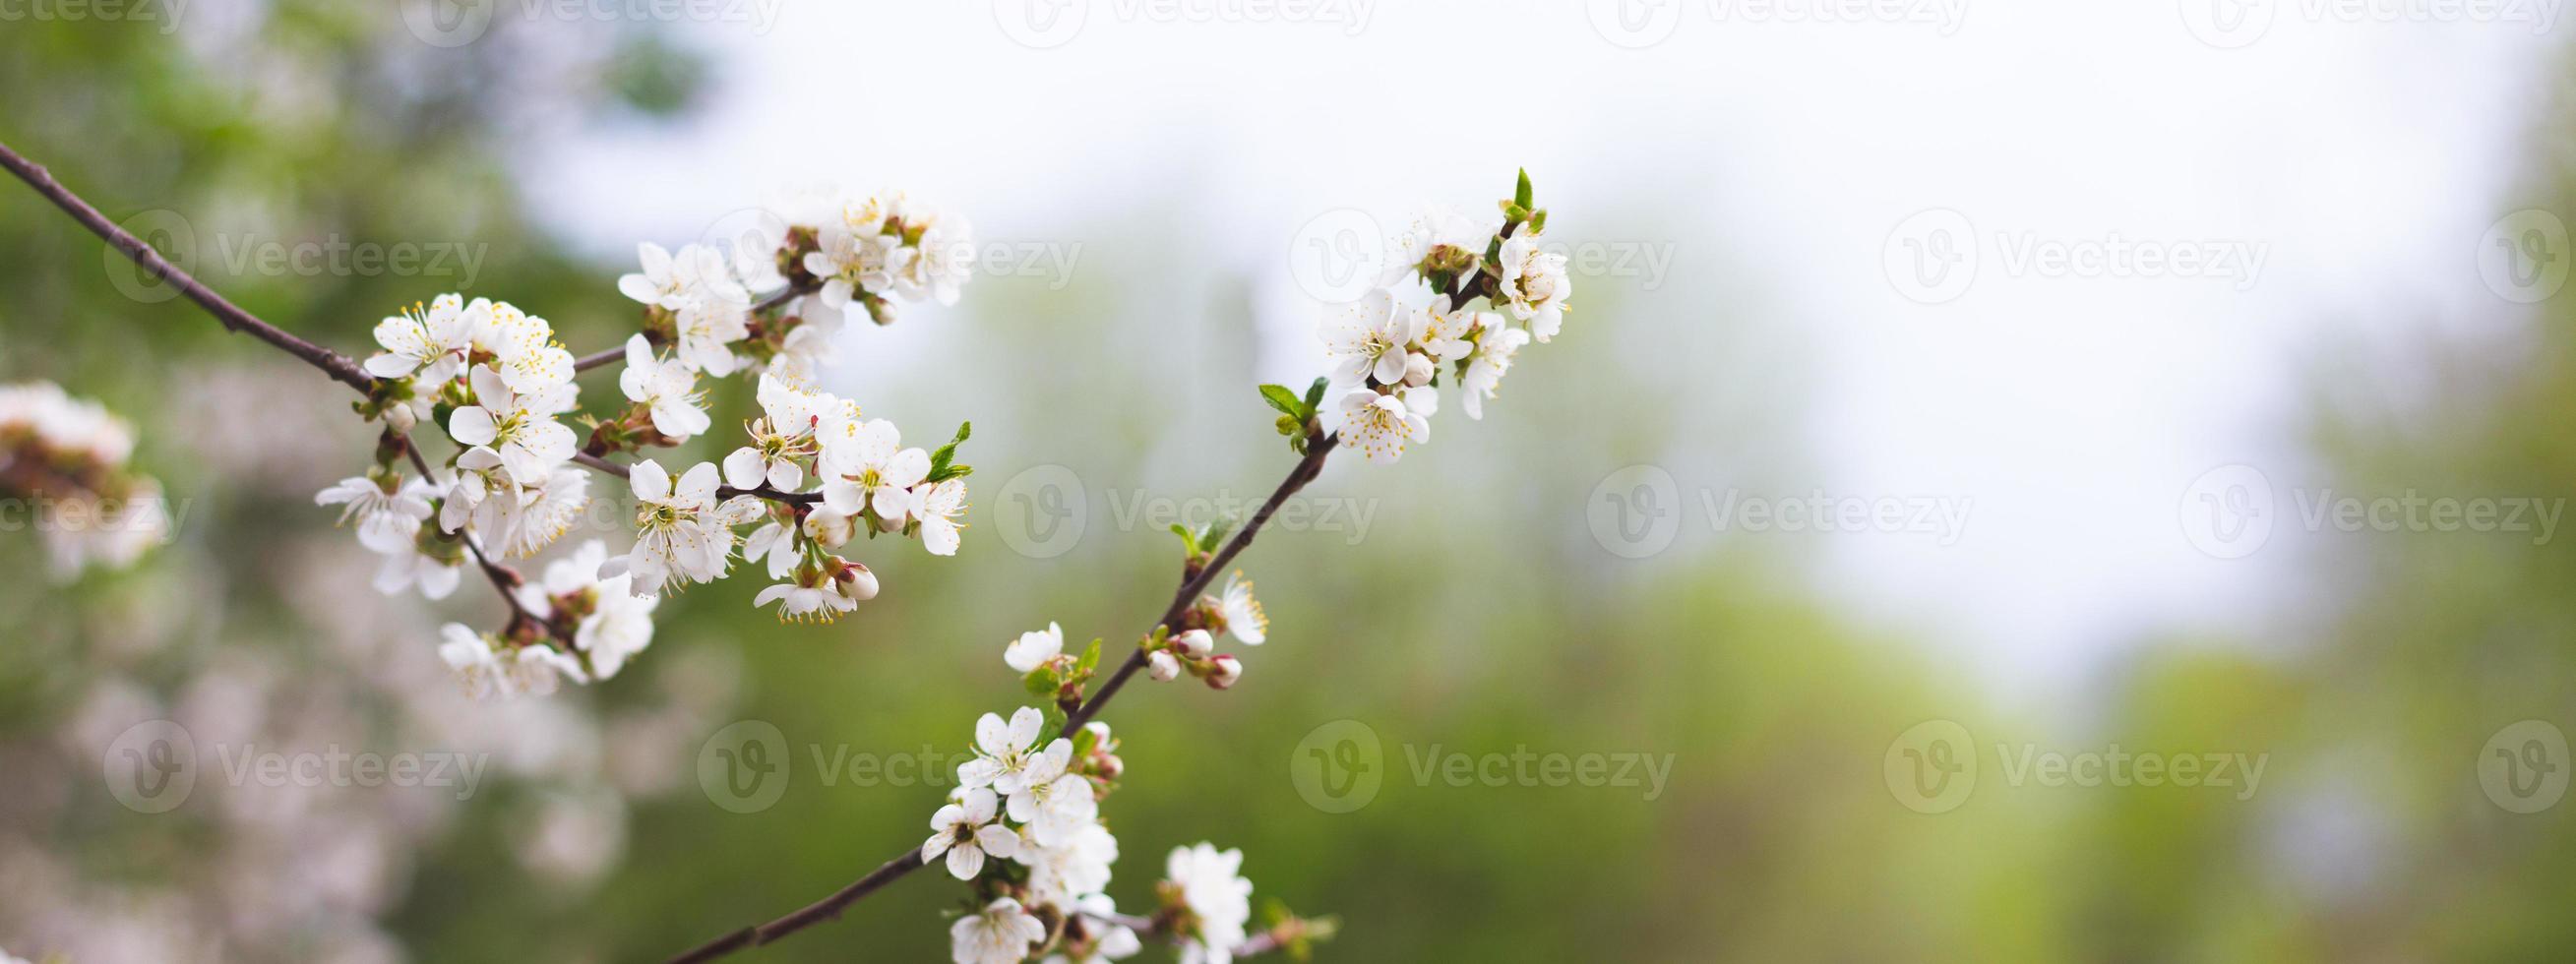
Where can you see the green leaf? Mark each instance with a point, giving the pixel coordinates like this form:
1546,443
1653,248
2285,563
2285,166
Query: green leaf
1189,540
1315,395
1521,194
1041,683
1538,220
1284,400
947,472
1215,535
1090,658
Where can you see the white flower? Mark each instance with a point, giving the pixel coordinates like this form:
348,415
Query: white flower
519,428
798,602
854,261
1430,230
674,282
524,347
1110,941
873,471
477,667
680,535
1001,934
1062,871
437,578
774,543
810,345
619,624
938,506
544,514
667,388
427,341
1217,895
1535,285
1162,667
1241,612
1056,808
388,521
1004,753
943,261
1445,333
707,329
1367,338
784,435
1034,648
1381,425
966,832
535,670
1485,369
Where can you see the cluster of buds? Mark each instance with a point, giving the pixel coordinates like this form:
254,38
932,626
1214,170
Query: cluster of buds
66,458
1169,654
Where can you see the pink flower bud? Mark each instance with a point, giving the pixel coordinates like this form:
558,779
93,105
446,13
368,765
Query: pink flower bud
1224,671
1161,666
1194,644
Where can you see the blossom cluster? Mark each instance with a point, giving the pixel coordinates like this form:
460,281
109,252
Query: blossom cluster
810,474
66,458
1391,347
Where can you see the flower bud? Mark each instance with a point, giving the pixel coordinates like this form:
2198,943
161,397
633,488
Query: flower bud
1099,731
1287,425
1108,766
1162,667
1194,644
830,528
1224,671
1417,369
856,583
400,417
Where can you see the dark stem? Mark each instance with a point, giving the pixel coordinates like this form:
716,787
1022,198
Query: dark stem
830,907
332,363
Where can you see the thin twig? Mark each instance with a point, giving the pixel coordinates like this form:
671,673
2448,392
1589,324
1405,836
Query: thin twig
1192,585
332,363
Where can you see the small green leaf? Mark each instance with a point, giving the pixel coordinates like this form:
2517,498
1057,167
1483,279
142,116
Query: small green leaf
939,459
1189,540
1041,682
1521,194
1215,535
1315,396
1090,658
1538,220
1282,399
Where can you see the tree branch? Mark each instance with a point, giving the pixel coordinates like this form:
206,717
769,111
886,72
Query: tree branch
340,367
1192,584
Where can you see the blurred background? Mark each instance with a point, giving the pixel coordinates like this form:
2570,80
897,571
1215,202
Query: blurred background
1965,404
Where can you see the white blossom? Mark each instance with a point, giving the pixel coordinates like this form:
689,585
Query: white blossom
388,517
1217,894
617,624
521,429
675,282
525,352
967,831
1004,752
681,537
1368,338
428,341
942,262
667,390
544,513
1486,368
1061,871
1241,612
437,578
938,505
1034,648
1430,230
872,470
1001,934
1381,425
1535,285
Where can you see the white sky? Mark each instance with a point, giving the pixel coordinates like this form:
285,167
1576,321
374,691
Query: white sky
2363,159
